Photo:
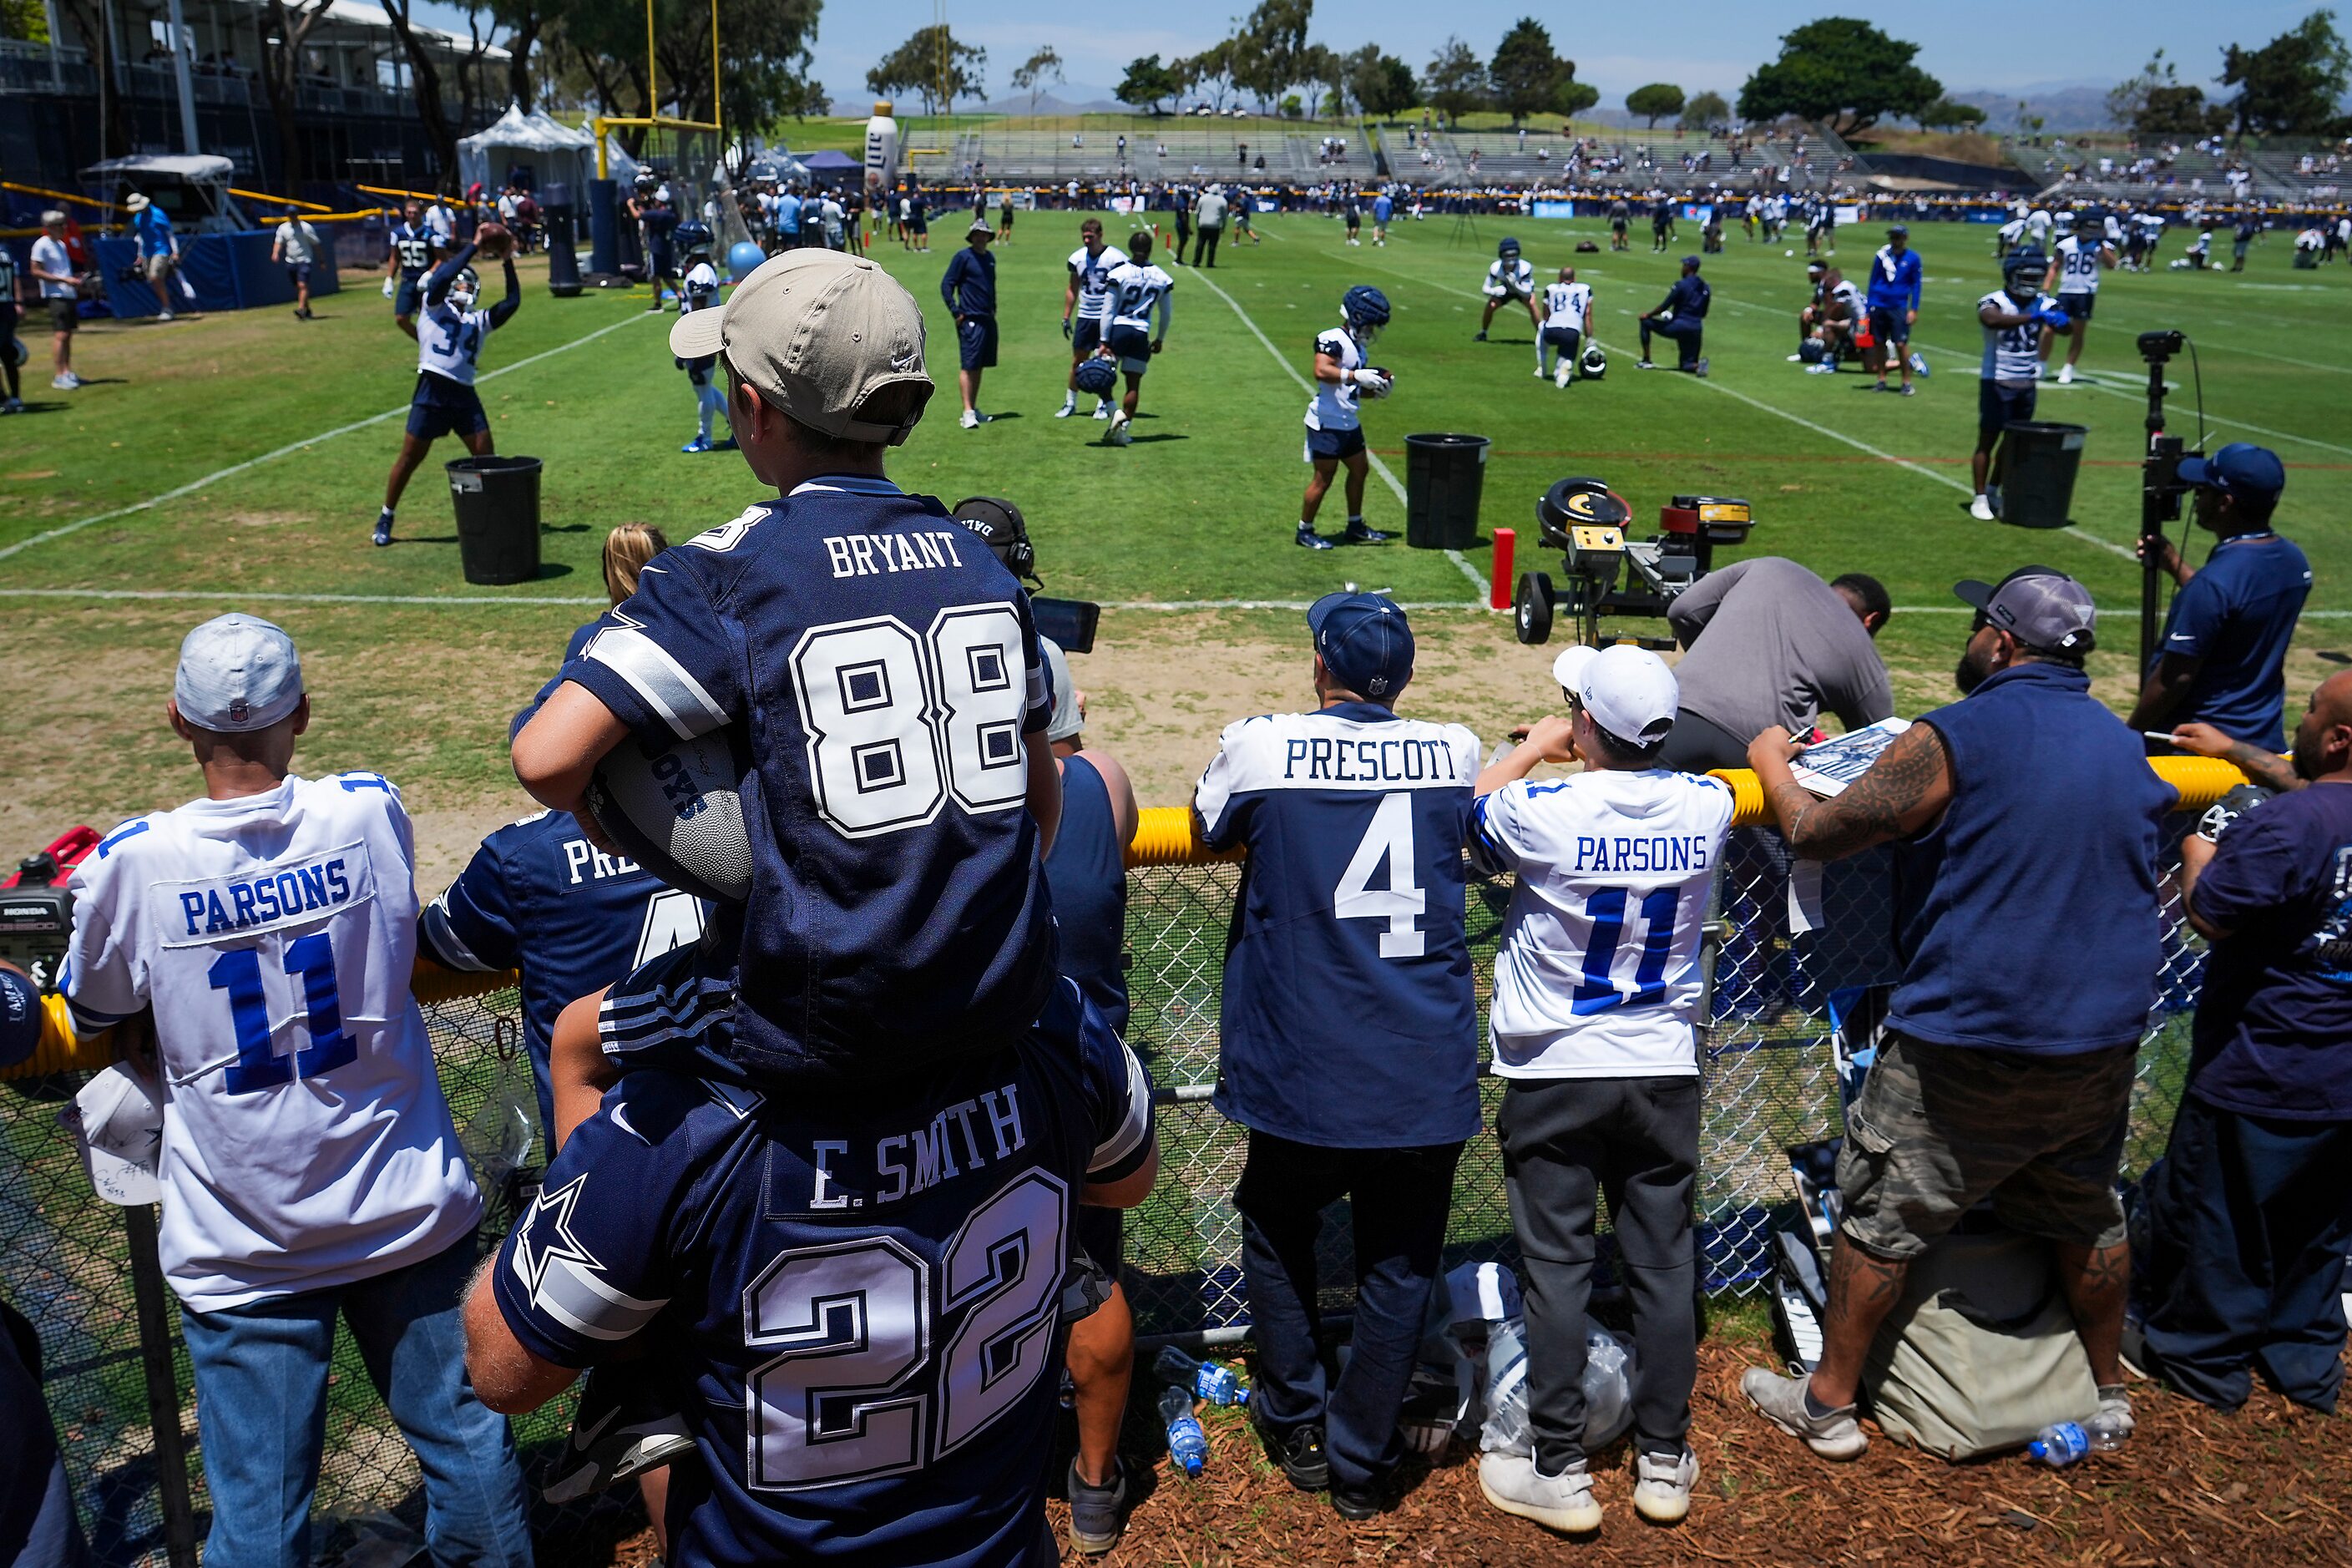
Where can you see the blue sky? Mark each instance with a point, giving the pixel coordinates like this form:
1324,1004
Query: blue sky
1695,43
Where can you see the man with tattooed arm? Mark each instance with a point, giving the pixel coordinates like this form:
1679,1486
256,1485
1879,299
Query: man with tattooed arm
2024,821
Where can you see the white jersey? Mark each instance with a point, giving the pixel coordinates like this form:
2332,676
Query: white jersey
2079,261
1847,293
1091,274
2012,231
1333,406
1566,303
1132,294
305,1144
2037,224
2113,229
449,341
1514,279
698,290
1597,974
2012,355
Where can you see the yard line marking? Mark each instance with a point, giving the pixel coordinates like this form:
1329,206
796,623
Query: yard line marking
1307,387
289,448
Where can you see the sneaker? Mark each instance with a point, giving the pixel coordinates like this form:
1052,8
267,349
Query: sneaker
163,316
383,530
1310,540
1661,1490
1064,410
971,420
613,1437
1098,1514
1906,389
1358,533
1699,369
726,445
699,444
1781,1401
1121,431
12,406
1796,359
1103,410
1356,1504
1565,374
1299,1451
1981,509
1542,375
1563,1502
1822,368
2066,375
66,383
1919,364
1643,364
1479,338
1876,387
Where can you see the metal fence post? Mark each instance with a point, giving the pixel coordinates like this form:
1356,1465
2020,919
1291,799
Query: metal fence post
162,1387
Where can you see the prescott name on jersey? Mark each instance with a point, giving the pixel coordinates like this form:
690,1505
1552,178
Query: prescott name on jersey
1348,1016
306,1142
853,1297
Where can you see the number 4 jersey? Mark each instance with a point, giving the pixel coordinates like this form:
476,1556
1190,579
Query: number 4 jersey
1598,973
1348,1014
306,1142
853,1297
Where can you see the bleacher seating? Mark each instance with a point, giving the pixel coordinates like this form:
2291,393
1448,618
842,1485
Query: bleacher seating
1180,150
1645,159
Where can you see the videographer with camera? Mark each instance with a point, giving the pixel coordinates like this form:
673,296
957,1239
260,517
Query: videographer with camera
2223,661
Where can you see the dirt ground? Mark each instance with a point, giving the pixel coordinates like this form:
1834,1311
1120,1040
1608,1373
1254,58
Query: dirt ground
2268,1484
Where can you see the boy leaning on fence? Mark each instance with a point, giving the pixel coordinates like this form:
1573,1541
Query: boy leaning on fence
309,1166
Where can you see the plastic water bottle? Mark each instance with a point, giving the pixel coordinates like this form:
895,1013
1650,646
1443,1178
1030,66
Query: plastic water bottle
1187,1443
2060,1444
1207,1380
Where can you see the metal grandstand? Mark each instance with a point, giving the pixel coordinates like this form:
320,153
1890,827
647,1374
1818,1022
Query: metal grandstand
1179,151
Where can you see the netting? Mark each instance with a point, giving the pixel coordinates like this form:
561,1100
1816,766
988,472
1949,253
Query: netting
1769,1082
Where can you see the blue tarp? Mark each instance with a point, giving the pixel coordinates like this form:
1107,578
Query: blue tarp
225,271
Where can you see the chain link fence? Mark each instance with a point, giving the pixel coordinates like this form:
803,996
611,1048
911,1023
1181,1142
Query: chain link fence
1779,979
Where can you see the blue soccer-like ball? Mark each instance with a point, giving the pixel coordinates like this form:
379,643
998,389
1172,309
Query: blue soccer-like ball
743,257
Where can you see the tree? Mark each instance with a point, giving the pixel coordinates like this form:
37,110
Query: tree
1147,83
934,64
1212,69
281,66
594,52
425,86
1526,74
1655,102
1946,115
1704,112
1381,84
2292,84
1039,68
1842,72
1573,97
1455,81
1268,51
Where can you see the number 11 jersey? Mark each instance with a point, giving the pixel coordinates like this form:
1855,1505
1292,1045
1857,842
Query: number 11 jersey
1350,1018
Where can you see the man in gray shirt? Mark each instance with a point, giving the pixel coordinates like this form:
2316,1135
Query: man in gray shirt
1210,214
1780,648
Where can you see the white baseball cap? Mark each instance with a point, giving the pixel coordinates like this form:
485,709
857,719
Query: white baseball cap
119,1126
237,673
1630,691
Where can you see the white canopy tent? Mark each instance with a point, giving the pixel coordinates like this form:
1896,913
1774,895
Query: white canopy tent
556,154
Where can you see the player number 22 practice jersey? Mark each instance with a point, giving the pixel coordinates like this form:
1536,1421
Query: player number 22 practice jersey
306,1142
1598,973
1347,1018
1130,294
852,1297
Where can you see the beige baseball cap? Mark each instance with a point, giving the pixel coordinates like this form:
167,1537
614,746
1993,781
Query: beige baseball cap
818,334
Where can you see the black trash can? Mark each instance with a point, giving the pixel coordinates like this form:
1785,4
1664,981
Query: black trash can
2038,480
497,517
1443,478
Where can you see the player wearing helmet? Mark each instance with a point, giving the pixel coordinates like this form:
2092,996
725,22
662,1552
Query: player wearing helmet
1333,435
2013,317
1567,323
1090,266
1134,290
698,290
1508,278
449,334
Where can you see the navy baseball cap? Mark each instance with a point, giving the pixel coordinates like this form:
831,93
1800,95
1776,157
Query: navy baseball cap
1690,262
2239,469
20,1017
1365,641
1899,231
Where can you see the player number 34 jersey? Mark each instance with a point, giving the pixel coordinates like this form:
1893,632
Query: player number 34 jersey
306,1142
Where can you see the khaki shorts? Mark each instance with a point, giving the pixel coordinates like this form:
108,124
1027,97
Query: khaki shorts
160,266
1939,1128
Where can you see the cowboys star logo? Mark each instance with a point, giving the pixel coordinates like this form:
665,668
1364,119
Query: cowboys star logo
547,1235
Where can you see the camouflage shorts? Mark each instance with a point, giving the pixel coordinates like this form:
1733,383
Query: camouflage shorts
1939,1128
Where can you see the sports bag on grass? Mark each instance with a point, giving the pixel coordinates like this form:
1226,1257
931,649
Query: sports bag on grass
1980,1354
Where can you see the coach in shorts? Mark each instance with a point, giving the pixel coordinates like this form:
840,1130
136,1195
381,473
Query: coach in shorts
60,288
1591,1030
969,287
1348,1044
309,1171
2025,826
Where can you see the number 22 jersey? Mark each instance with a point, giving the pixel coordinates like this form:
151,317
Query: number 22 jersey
306,1142
1349,1017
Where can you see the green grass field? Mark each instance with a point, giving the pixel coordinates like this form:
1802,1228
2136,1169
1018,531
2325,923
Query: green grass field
237,460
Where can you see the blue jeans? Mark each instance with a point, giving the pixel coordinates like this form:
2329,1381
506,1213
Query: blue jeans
261,1402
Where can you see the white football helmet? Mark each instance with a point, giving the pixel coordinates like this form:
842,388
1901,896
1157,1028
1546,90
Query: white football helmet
464,290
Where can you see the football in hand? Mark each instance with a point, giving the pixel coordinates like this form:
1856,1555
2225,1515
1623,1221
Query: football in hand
494,240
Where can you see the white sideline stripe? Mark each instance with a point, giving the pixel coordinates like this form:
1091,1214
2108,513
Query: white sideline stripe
293,447
1380,468
483,601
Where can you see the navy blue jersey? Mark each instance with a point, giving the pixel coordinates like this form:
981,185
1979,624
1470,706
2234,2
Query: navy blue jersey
879,669
852,1296
1348,1019
537,897
2236,617
1086,873
413,243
